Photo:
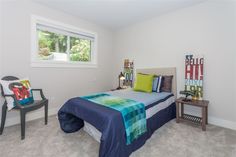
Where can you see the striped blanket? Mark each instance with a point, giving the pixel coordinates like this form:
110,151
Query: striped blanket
133,113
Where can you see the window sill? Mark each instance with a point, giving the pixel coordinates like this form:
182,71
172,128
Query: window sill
61,64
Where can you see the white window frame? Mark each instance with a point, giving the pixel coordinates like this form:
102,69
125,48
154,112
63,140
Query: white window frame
35,62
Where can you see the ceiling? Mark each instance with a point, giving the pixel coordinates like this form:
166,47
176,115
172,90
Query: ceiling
115,14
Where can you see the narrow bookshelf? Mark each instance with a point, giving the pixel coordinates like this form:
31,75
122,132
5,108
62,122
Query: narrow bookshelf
128,73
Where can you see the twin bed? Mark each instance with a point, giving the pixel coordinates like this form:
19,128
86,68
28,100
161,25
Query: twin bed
106,125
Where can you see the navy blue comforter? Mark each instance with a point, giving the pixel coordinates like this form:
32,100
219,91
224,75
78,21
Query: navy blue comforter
109,122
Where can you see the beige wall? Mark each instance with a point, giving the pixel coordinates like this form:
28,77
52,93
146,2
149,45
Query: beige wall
59,84
208,29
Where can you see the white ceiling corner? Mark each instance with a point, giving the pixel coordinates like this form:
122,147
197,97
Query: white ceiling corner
115,14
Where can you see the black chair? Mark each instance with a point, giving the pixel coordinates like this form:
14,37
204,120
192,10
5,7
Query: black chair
23,109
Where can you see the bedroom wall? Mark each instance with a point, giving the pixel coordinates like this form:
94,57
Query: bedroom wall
207,28
59,84
1,18
234,59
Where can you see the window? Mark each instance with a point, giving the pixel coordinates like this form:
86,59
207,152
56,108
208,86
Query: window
56,44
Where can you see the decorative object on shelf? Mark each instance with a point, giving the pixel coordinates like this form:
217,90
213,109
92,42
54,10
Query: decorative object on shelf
128,73
187,94
194,75
120,78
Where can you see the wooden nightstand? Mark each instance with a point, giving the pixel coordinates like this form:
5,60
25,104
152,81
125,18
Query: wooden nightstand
203,120
120,88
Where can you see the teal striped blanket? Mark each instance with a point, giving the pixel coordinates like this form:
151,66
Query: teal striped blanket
133,113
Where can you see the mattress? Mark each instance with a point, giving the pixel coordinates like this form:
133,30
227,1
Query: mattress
154,102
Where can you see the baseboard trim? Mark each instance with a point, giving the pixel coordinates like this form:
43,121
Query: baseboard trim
222,123
30,116
53,111
217,121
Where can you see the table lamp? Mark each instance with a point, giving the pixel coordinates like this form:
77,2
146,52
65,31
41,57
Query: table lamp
121,77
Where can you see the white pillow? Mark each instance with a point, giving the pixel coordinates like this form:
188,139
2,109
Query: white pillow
7,91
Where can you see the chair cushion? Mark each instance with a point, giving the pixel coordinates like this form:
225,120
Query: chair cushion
21,89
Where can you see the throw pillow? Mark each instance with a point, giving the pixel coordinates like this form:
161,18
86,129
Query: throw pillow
143,83
21,89
166,85
156,84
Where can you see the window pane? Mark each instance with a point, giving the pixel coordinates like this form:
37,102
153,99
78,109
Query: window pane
52,46
80,49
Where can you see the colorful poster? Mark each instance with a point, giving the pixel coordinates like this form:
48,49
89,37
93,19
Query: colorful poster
194,75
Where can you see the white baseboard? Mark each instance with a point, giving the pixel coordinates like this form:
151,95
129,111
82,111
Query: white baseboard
53,111
222,123
217,121
30,116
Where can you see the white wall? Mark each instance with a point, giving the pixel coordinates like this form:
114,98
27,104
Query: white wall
207,28
1,21
1,18
59,84
234,58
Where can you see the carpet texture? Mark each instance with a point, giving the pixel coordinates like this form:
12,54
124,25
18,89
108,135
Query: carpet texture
171,140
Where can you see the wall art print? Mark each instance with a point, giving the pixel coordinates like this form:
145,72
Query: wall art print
194,75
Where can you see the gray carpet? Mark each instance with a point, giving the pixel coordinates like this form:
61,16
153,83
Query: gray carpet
171,140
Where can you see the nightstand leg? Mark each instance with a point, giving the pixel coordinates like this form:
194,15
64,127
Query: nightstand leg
204,118
182,109
177,112
207,115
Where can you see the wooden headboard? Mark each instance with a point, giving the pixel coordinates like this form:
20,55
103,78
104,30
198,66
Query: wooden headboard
162,71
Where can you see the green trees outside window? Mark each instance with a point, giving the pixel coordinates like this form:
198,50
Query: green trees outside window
52,46
80,49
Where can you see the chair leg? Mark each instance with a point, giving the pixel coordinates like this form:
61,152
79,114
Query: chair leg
3,119
22,119
46,113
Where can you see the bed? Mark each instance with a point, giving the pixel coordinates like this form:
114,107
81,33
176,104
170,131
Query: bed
105,124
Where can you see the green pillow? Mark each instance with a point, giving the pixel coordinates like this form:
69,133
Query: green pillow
143,83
